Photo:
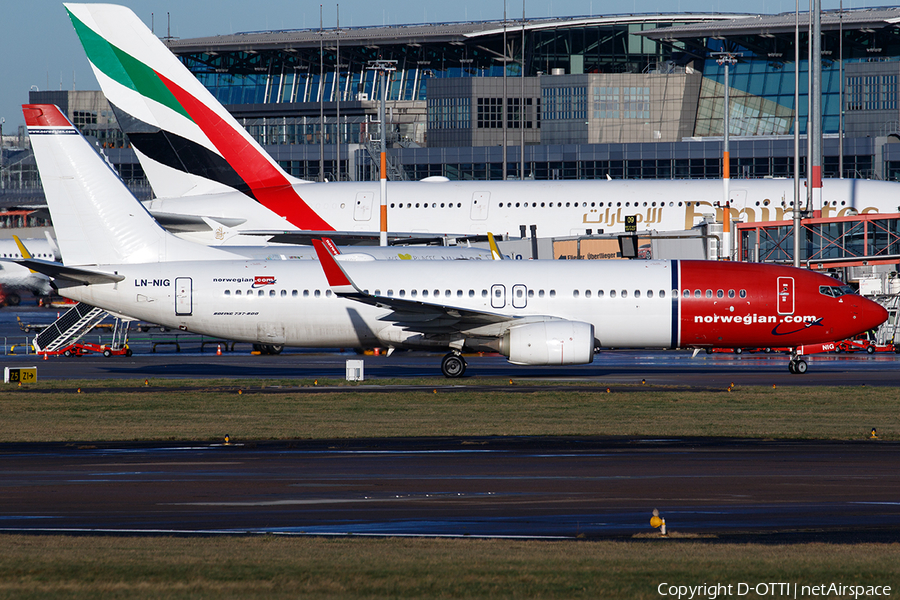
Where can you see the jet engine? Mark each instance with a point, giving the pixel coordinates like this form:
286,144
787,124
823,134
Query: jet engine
549,343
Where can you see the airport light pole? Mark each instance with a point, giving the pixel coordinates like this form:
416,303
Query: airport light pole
727,59
383,66
797,136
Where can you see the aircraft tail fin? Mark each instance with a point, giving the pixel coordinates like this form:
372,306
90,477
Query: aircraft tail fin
186,141
96,219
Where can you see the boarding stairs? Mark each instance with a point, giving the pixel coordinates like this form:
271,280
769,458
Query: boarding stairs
887,332
394,171
69,328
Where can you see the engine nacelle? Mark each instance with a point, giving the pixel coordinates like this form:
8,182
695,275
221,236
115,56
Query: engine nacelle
549,343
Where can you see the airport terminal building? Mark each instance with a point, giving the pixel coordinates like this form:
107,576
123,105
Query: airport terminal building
631,96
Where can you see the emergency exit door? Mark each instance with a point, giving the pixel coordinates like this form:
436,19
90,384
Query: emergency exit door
785,295
183,299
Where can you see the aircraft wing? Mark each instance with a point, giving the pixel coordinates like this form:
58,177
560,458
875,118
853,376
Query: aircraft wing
361,238
411,314
58,271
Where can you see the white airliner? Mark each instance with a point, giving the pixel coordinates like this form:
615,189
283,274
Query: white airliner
212,178
16,279
117,257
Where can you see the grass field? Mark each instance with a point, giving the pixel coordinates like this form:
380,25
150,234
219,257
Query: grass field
209,410
282,567
271,567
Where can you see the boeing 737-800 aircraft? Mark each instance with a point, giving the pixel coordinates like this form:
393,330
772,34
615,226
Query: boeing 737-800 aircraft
117,257
209,174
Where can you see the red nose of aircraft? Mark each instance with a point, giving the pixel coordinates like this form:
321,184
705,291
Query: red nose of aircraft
872,314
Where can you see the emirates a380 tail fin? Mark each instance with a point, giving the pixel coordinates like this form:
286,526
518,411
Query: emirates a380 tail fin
186,141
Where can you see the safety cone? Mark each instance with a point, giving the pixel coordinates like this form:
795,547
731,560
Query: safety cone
218,349
46,356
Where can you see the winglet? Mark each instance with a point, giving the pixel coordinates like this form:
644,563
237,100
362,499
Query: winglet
23,250
337,278
495,250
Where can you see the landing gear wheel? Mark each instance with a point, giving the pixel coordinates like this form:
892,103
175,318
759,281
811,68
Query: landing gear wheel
798,367
453,365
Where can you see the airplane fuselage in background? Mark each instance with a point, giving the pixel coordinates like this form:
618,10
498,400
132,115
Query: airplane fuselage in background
662,304
558,208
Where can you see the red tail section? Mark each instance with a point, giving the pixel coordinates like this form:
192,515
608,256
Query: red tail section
44,115
267,183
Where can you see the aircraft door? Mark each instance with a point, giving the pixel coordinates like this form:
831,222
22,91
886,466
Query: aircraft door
362,211
480,204
183,296
785,295
519,296
498,296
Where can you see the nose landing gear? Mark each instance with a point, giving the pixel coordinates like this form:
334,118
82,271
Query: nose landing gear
453,365
797,366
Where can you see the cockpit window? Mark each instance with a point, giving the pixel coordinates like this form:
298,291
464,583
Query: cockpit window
836,291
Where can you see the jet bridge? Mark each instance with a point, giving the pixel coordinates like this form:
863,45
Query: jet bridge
851,241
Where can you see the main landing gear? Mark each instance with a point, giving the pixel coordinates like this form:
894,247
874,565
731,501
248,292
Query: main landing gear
453,365
797,366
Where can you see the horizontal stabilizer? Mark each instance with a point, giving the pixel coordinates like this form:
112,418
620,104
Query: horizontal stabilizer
58,271
177,222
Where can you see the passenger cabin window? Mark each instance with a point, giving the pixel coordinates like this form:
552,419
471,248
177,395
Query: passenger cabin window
227,292
743,294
